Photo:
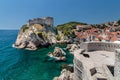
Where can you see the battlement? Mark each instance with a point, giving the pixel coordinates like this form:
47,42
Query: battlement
49,21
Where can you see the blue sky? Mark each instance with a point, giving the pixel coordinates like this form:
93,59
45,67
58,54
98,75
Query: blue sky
15,13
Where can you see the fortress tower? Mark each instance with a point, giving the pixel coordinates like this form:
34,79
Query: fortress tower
49,21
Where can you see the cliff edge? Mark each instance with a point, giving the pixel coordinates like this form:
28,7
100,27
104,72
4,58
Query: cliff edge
36,35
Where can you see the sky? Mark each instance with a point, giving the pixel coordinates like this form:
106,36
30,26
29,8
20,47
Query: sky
15,13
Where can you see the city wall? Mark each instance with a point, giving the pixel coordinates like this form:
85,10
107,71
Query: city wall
117,64
44,21
105,46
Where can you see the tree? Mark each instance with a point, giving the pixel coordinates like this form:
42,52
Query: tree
24,27
118,22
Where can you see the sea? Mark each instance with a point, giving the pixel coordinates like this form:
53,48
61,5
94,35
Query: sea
22,64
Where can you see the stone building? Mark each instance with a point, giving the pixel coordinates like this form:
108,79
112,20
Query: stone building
97,61
49,21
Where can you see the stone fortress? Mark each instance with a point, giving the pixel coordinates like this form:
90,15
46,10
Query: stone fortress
97,61
49,21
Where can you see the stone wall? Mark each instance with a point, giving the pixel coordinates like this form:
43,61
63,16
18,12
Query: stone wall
117,64
78,69
105,46
49,21
80,72
45,21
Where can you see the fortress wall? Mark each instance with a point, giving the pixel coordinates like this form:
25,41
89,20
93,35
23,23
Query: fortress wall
45,21
117,64
105,46
49,21
79,71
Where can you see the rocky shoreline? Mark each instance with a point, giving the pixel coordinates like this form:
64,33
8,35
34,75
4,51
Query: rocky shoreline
72,47
35,36
58,54
66,73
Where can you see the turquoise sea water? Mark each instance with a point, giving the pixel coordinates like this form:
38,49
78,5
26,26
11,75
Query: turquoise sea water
18,64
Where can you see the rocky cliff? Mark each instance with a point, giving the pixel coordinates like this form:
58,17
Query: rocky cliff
35,36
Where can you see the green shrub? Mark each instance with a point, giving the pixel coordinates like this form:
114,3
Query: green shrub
68,27
118,22
45,35
40,34
73,35
58,37
24,27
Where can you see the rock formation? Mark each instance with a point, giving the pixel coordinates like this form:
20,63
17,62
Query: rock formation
69,67
58,54
35,36
65,75
72,47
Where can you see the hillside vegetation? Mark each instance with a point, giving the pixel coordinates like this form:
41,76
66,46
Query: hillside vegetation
67,28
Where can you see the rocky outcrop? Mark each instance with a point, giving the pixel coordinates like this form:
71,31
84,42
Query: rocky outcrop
58,54
69,67
35,36
65,75
72,47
